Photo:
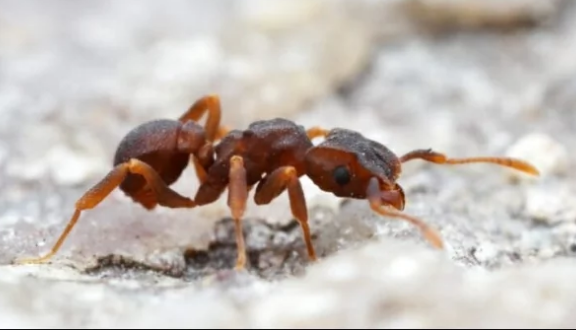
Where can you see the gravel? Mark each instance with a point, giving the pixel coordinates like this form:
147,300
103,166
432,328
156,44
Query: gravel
485,78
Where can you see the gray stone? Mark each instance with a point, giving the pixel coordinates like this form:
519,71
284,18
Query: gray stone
75,78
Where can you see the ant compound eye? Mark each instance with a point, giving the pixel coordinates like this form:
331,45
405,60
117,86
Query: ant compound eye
341,175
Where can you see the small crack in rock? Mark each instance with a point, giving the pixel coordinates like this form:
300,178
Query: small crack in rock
273,252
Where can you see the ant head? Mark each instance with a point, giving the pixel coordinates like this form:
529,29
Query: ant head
191,137
346,161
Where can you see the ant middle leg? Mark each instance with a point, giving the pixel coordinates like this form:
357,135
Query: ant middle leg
439,158
377,200
164,196
210,104
237,199
273,185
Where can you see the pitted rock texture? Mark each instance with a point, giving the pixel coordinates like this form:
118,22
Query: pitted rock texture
485,78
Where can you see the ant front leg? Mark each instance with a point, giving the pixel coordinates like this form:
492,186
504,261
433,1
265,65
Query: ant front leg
273,185
210,104
237,198
164,195
439,158
377,199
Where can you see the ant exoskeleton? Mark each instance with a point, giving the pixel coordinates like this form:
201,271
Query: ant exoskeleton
271,154
150,158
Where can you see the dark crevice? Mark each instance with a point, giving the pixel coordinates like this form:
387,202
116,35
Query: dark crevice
273,252
119,265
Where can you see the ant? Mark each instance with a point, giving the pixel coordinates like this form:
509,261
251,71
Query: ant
271,155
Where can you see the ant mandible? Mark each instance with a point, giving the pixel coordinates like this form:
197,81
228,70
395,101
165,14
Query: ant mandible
271,154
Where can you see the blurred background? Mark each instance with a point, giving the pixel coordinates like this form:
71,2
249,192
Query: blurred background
463,77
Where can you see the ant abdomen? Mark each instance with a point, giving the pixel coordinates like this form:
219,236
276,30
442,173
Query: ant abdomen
154,143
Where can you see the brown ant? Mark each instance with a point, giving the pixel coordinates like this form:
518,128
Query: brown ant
271,154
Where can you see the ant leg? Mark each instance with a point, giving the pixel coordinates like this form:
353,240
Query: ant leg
95,195
201,173
164,195
273,185
210,104
202,161
377,198
439,158
222,131
315,132
237,198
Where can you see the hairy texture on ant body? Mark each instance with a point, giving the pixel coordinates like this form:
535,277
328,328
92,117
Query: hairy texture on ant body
269,155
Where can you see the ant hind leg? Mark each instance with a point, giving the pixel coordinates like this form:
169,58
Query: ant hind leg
164,195
221,132
439,158
210,104
273,185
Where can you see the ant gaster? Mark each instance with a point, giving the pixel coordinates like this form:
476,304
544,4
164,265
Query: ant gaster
271,155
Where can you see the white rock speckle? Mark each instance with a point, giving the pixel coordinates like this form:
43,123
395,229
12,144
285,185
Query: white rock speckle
486,252
69,167
548,155
549,207
74,80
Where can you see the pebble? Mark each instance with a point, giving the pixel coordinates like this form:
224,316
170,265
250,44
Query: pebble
276,15
69,168
550,207
548,155
24,170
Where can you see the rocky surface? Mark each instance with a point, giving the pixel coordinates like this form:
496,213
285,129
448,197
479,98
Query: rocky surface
482,78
